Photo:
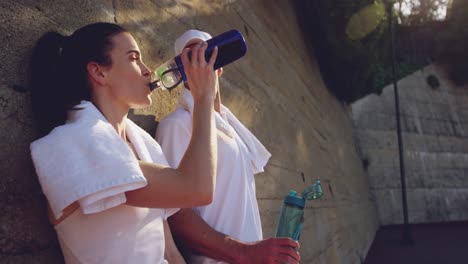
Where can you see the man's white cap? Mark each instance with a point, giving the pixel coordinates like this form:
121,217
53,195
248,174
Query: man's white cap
188,36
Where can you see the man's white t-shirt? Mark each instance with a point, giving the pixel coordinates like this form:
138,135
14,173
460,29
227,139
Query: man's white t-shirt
234,210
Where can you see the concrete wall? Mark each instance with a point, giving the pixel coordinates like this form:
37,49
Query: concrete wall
435,129
276,90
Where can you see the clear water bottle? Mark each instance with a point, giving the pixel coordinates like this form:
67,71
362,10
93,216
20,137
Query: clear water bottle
231,46
292,212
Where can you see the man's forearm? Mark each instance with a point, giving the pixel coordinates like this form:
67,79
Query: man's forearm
199,237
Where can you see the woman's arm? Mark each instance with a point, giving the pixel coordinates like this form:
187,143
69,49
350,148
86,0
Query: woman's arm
193,182
171,253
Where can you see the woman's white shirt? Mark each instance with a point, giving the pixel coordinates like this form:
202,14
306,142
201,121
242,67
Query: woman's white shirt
85,160
122,234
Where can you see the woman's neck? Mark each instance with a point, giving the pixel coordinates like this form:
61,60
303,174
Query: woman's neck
115,114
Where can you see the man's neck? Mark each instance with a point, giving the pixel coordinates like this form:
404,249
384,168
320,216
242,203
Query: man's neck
217,104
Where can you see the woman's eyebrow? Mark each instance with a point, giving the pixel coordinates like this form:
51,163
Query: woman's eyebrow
134,51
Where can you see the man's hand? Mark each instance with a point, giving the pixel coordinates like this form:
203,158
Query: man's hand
198,236
272,250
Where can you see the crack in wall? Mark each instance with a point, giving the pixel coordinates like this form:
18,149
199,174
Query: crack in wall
115,11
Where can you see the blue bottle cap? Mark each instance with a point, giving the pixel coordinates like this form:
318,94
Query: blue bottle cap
293,199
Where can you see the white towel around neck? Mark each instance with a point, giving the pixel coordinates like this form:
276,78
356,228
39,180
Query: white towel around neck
85,160
227,122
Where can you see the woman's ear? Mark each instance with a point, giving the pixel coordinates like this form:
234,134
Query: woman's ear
219,72
96,73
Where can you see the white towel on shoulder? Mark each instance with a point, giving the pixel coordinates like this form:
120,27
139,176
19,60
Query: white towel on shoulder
229,125
85,160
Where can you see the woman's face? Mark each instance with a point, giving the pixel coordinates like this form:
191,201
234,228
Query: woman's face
128,77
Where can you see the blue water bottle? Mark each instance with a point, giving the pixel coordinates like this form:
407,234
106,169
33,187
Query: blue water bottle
292,216
292,212
231,46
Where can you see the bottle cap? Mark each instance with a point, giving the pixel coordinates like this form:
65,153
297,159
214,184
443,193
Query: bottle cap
293,199
313,191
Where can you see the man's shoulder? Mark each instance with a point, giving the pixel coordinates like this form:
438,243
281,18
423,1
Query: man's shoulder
173,126
179,116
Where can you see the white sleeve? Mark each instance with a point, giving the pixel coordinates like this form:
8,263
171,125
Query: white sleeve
174,137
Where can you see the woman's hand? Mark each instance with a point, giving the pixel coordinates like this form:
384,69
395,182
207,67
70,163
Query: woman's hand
201,77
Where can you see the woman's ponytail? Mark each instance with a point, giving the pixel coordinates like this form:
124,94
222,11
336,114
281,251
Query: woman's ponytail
47,92
59,78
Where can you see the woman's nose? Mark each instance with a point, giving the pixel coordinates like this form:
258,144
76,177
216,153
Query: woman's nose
145,70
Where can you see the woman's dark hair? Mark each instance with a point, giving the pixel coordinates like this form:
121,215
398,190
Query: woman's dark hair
59,78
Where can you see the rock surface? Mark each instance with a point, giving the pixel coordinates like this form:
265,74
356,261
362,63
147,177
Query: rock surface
434,125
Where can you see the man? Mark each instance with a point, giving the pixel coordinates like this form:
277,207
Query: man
229,229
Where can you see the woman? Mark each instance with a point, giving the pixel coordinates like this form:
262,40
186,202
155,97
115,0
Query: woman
105,179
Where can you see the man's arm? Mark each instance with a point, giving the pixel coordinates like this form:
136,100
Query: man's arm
191,230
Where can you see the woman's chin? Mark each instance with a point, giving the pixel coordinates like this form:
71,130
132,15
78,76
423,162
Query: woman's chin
143,103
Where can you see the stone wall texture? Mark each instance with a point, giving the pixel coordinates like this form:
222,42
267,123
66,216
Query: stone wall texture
276,90
434,124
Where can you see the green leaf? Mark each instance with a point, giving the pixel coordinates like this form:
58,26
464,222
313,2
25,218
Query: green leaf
366,20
